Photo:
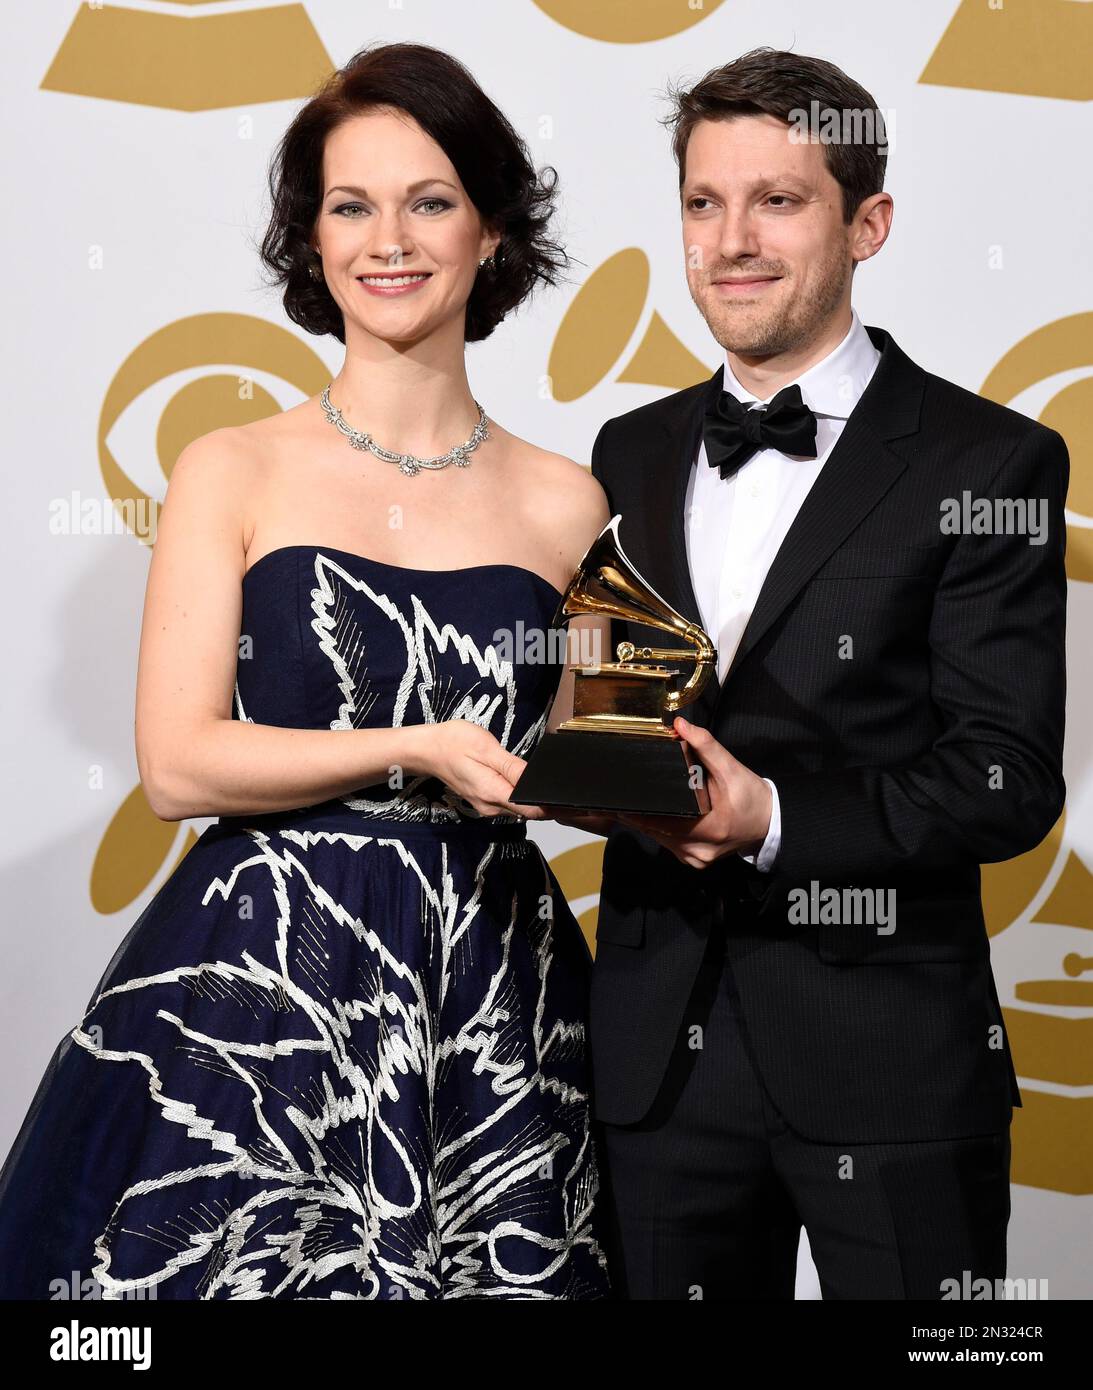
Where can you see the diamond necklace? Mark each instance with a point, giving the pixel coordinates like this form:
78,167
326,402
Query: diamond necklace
408,463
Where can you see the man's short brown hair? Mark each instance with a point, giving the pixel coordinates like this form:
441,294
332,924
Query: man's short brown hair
767,81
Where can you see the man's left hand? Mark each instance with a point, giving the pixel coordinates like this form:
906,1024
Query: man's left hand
739,814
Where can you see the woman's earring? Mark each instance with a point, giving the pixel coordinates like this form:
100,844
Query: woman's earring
316,267
486,260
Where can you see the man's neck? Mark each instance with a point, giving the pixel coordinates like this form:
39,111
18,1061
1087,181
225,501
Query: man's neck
763,376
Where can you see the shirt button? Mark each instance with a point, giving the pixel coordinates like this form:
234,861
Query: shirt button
755,489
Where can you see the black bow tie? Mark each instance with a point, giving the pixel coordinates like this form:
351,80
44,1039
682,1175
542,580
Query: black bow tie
732,432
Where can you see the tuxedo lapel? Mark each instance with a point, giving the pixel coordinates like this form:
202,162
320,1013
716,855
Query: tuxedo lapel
858,472
661,548
679,475
662,544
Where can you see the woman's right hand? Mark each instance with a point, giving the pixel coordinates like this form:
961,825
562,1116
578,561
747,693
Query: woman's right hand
472,763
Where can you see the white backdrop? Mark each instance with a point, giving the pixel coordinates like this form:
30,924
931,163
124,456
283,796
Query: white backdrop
135,168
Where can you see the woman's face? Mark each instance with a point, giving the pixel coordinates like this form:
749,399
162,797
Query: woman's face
400,239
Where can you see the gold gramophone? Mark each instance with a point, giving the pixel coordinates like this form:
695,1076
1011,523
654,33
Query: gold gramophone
618,751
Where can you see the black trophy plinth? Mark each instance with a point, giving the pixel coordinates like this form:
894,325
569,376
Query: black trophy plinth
612,772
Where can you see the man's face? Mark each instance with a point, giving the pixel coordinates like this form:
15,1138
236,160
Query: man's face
769,256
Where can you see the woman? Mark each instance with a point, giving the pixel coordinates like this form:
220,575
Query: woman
342,1051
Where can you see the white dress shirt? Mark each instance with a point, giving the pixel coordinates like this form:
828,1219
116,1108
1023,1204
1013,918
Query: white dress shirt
735,526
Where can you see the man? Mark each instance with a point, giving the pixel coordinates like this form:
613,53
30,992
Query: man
794,1019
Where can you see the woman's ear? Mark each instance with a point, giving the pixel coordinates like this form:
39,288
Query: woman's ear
491,240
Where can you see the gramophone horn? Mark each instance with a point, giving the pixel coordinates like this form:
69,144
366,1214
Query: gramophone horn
606,583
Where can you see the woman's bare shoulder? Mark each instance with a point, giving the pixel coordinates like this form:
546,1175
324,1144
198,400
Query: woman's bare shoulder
226,449
249,444
556,478
234,462
561,497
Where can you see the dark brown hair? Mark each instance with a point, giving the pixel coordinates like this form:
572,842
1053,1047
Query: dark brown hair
492,161
767,81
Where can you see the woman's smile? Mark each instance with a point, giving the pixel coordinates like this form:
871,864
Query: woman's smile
388,285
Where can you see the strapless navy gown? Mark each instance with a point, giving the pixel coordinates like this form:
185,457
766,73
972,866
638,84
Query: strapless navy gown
341,1053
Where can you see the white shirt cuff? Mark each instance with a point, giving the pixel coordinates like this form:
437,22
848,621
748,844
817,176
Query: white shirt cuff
768,850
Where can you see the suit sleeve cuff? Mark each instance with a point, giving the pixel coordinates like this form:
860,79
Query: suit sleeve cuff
768,851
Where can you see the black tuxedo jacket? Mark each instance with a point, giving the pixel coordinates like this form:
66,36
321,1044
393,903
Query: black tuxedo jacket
887,764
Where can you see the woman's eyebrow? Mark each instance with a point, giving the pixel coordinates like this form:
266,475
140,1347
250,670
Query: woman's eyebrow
363,193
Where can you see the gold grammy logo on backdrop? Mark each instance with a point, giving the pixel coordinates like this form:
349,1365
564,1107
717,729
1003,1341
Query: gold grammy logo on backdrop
136,842
1050,1021
628,21
578,871
1037,48
185,62
1050,1025
600,323
1064,345
189,61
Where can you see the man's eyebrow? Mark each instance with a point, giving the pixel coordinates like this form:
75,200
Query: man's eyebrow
363,193
763,180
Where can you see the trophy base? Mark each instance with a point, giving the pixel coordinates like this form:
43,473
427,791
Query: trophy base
612,772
